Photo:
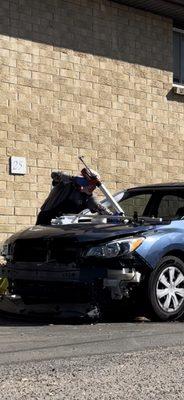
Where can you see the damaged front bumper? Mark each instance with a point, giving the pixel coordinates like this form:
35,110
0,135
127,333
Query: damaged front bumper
72,282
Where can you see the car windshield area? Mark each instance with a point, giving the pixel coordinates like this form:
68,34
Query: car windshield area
156,203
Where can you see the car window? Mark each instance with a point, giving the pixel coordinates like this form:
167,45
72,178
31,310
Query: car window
136,203
171,206
168,204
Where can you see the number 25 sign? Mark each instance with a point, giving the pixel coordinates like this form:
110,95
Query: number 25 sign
18,165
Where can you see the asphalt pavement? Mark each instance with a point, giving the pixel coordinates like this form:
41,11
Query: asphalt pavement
42,359
27,339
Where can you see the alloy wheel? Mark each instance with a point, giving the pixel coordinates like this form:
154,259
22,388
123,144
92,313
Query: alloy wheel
170,289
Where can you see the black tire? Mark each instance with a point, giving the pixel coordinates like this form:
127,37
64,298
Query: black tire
162,280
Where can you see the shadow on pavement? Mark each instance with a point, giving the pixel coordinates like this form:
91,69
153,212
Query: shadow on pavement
7,319
15,312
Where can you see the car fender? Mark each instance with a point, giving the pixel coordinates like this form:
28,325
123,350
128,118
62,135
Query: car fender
160,242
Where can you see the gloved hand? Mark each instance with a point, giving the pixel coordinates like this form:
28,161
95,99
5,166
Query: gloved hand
103,210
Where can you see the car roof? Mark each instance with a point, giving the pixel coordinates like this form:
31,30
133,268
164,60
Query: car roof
157,186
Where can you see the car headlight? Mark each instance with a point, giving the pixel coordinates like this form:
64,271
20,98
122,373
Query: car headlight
115,248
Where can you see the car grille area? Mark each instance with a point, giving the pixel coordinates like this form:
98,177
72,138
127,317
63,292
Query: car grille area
29,250
44,250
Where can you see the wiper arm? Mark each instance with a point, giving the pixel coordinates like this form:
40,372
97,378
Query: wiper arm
152,220
142,219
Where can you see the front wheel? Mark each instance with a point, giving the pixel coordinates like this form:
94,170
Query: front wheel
166,289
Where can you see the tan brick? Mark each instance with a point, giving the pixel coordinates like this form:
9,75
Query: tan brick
25,211
24,194
20,220
7,210
4,219
2,202
7,228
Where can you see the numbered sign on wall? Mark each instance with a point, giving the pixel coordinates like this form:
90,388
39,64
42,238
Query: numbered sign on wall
18,165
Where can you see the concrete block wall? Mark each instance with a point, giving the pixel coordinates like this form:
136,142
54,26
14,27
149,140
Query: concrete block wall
83,77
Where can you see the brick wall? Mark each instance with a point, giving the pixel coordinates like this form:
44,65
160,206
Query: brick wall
90,78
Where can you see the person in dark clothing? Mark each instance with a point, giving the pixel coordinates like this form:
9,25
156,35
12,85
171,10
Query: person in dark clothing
69,195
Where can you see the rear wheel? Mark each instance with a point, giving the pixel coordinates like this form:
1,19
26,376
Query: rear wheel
166,289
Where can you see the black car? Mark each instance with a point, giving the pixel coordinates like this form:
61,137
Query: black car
140,254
